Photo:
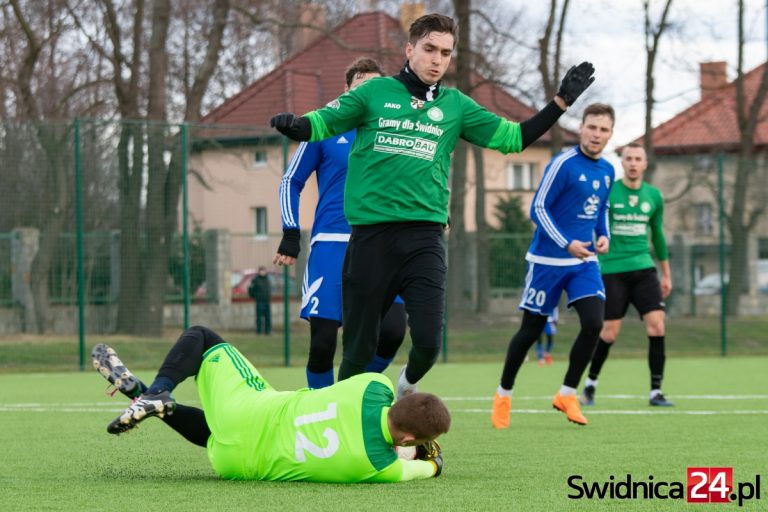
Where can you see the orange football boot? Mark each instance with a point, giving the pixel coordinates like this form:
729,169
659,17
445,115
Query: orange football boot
570,406
502,405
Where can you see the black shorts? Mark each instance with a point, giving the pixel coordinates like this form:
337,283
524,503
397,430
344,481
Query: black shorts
641,288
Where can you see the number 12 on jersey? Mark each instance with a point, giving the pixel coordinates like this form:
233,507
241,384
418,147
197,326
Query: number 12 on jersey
710,485
304,444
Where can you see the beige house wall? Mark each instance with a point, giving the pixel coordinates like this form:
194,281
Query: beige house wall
236,185
496,185
688,181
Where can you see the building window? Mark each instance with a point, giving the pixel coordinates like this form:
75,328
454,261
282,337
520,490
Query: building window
260,220
703,218
259,158
520,176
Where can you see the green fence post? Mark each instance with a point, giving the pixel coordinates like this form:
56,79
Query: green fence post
184,223
79,244
721,235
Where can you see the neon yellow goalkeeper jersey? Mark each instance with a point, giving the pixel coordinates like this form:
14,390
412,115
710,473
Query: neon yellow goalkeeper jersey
334,434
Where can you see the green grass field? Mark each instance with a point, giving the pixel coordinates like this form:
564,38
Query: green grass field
58,456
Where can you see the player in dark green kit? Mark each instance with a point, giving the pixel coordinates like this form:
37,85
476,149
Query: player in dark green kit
629,272
343,433
396,196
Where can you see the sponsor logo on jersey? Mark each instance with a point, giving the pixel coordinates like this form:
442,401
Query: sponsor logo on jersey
645,207
582,178
395,106
591,205
633,200
596,184
416,103
617,205
607,181
405,145
342,140
435,114
334,104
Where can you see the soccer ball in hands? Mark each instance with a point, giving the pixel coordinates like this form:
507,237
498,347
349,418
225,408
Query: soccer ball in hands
406,452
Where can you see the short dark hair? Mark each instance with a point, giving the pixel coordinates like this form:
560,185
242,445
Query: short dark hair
433,23
362,65
599,109
423,415
633,145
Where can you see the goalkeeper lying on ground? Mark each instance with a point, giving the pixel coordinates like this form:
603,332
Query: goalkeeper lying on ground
343,433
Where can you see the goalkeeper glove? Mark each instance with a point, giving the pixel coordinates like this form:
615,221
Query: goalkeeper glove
296,128
431,452
576,81
289,245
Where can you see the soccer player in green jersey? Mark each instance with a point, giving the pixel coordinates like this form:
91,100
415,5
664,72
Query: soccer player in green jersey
343,433
396,196
629,273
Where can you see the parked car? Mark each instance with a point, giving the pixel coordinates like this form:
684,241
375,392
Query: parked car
709,285
240,280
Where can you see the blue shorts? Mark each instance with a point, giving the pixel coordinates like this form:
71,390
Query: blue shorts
321,289
545,283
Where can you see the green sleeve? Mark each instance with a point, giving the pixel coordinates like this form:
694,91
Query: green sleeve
486,129
404,470
341,115
657,230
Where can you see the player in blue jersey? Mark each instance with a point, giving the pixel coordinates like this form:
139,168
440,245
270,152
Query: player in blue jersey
570,210
321,289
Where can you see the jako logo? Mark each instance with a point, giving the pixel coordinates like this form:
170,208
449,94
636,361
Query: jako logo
392,105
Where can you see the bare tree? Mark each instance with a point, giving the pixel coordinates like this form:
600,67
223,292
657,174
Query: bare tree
143,71
42,30
457,257
744,215
652,37
550,54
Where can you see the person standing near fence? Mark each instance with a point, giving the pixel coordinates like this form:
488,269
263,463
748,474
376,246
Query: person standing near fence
570,210
629,272
397,193
260,290
321,289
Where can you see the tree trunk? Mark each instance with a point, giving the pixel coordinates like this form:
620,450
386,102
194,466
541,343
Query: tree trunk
483,254
131,184
156,274
457,240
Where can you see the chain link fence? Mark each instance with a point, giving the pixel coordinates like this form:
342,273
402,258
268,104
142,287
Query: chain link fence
132,227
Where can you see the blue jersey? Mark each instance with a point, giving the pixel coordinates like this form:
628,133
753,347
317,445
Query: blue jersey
570,204
328,158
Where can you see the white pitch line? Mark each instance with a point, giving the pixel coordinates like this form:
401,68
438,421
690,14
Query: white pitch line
489,398
628,412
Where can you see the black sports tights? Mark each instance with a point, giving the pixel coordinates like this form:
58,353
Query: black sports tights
590,311
184,360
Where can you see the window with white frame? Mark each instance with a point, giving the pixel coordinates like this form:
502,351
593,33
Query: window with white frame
704,220
521,175
260,158
260,220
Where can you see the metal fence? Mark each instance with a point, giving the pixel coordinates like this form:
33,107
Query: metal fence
97,234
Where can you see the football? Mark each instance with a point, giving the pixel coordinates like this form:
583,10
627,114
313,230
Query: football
406,452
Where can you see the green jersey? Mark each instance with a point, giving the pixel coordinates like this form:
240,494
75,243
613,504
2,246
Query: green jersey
400,160
632,213
334,434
